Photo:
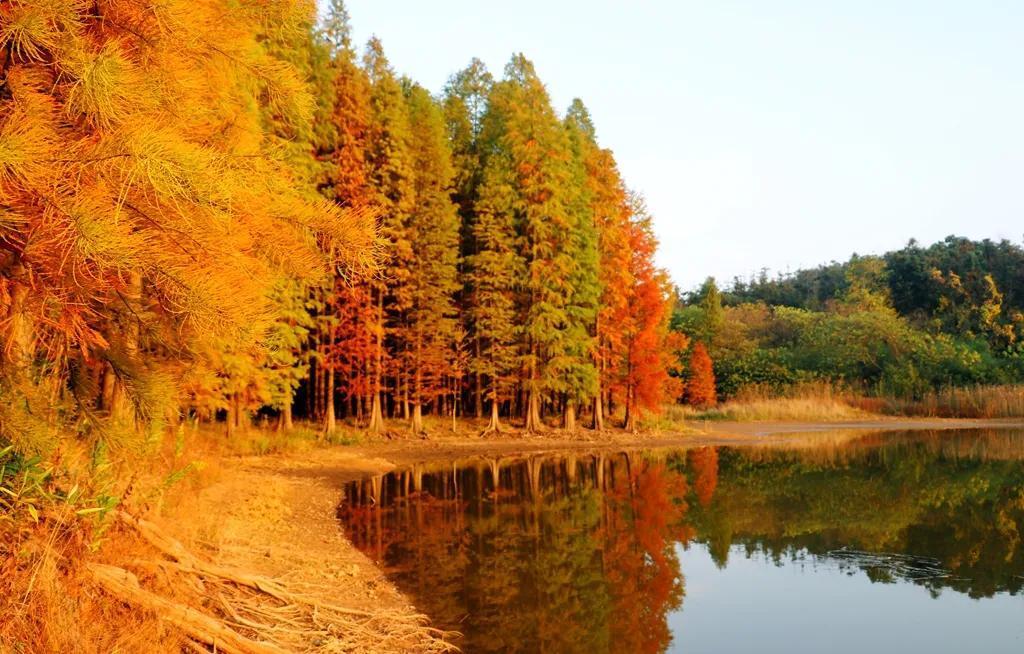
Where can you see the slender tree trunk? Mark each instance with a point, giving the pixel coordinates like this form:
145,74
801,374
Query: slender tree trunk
376,425
533,422
455,406
417,387
330,417
230,423
598,411
121,409
631,422
417,400
478,392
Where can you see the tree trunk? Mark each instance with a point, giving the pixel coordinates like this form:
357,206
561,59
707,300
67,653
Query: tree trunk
598,421
330,417
631,422
287,424
495,424
455,409
417,418
376,425
230,423
417,394
478,391
570,417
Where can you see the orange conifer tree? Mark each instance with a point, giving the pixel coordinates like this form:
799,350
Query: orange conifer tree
700,386
649,347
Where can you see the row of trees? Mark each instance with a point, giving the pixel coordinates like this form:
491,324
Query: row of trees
209,207
516,269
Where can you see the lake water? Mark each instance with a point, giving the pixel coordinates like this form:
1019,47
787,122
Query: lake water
842,542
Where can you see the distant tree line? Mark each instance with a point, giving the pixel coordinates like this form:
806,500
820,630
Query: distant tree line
903,323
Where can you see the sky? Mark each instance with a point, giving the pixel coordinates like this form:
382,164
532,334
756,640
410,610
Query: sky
774,135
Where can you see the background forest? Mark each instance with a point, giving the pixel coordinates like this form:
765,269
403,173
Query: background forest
912,324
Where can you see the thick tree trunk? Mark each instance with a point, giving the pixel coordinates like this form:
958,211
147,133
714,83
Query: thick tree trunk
570,417
417,418
287,424
237,418
376,425
495,424
533,423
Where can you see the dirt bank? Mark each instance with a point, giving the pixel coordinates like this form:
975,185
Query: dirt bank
275,515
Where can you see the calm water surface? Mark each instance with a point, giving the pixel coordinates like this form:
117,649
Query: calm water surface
856,542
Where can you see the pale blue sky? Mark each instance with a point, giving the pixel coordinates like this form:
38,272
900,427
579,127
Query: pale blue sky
779,134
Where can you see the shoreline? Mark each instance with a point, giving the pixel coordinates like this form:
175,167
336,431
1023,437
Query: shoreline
276,514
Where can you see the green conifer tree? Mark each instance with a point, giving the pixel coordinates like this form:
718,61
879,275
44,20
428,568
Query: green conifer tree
433,230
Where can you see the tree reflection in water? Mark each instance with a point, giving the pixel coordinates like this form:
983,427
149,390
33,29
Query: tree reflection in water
579,553
555,554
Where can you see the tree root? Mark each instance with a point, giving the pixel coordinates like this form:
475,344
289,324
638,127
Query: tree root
197,625
279,618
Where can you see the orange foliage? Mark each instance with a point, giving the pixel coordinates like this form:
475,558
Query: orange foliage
700,388
649,344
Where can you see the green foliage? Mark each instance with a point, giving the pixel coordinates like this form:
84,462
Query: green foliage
904,324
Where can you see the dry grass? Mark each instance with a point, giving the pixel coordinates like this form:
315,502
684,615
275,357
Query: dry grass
51,599
49,603
805,403
824,403
974,402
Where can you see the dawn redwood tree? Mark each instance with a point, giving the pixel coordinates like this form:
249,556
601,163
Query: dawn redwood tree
428,330
343,306
391,178
147,211
700,386
464,103
650,346
609,277
495,273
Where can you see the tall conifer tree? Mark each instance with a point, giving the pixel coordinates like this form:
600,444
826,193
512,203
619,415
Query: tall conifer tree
391,176
428,333
465,101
